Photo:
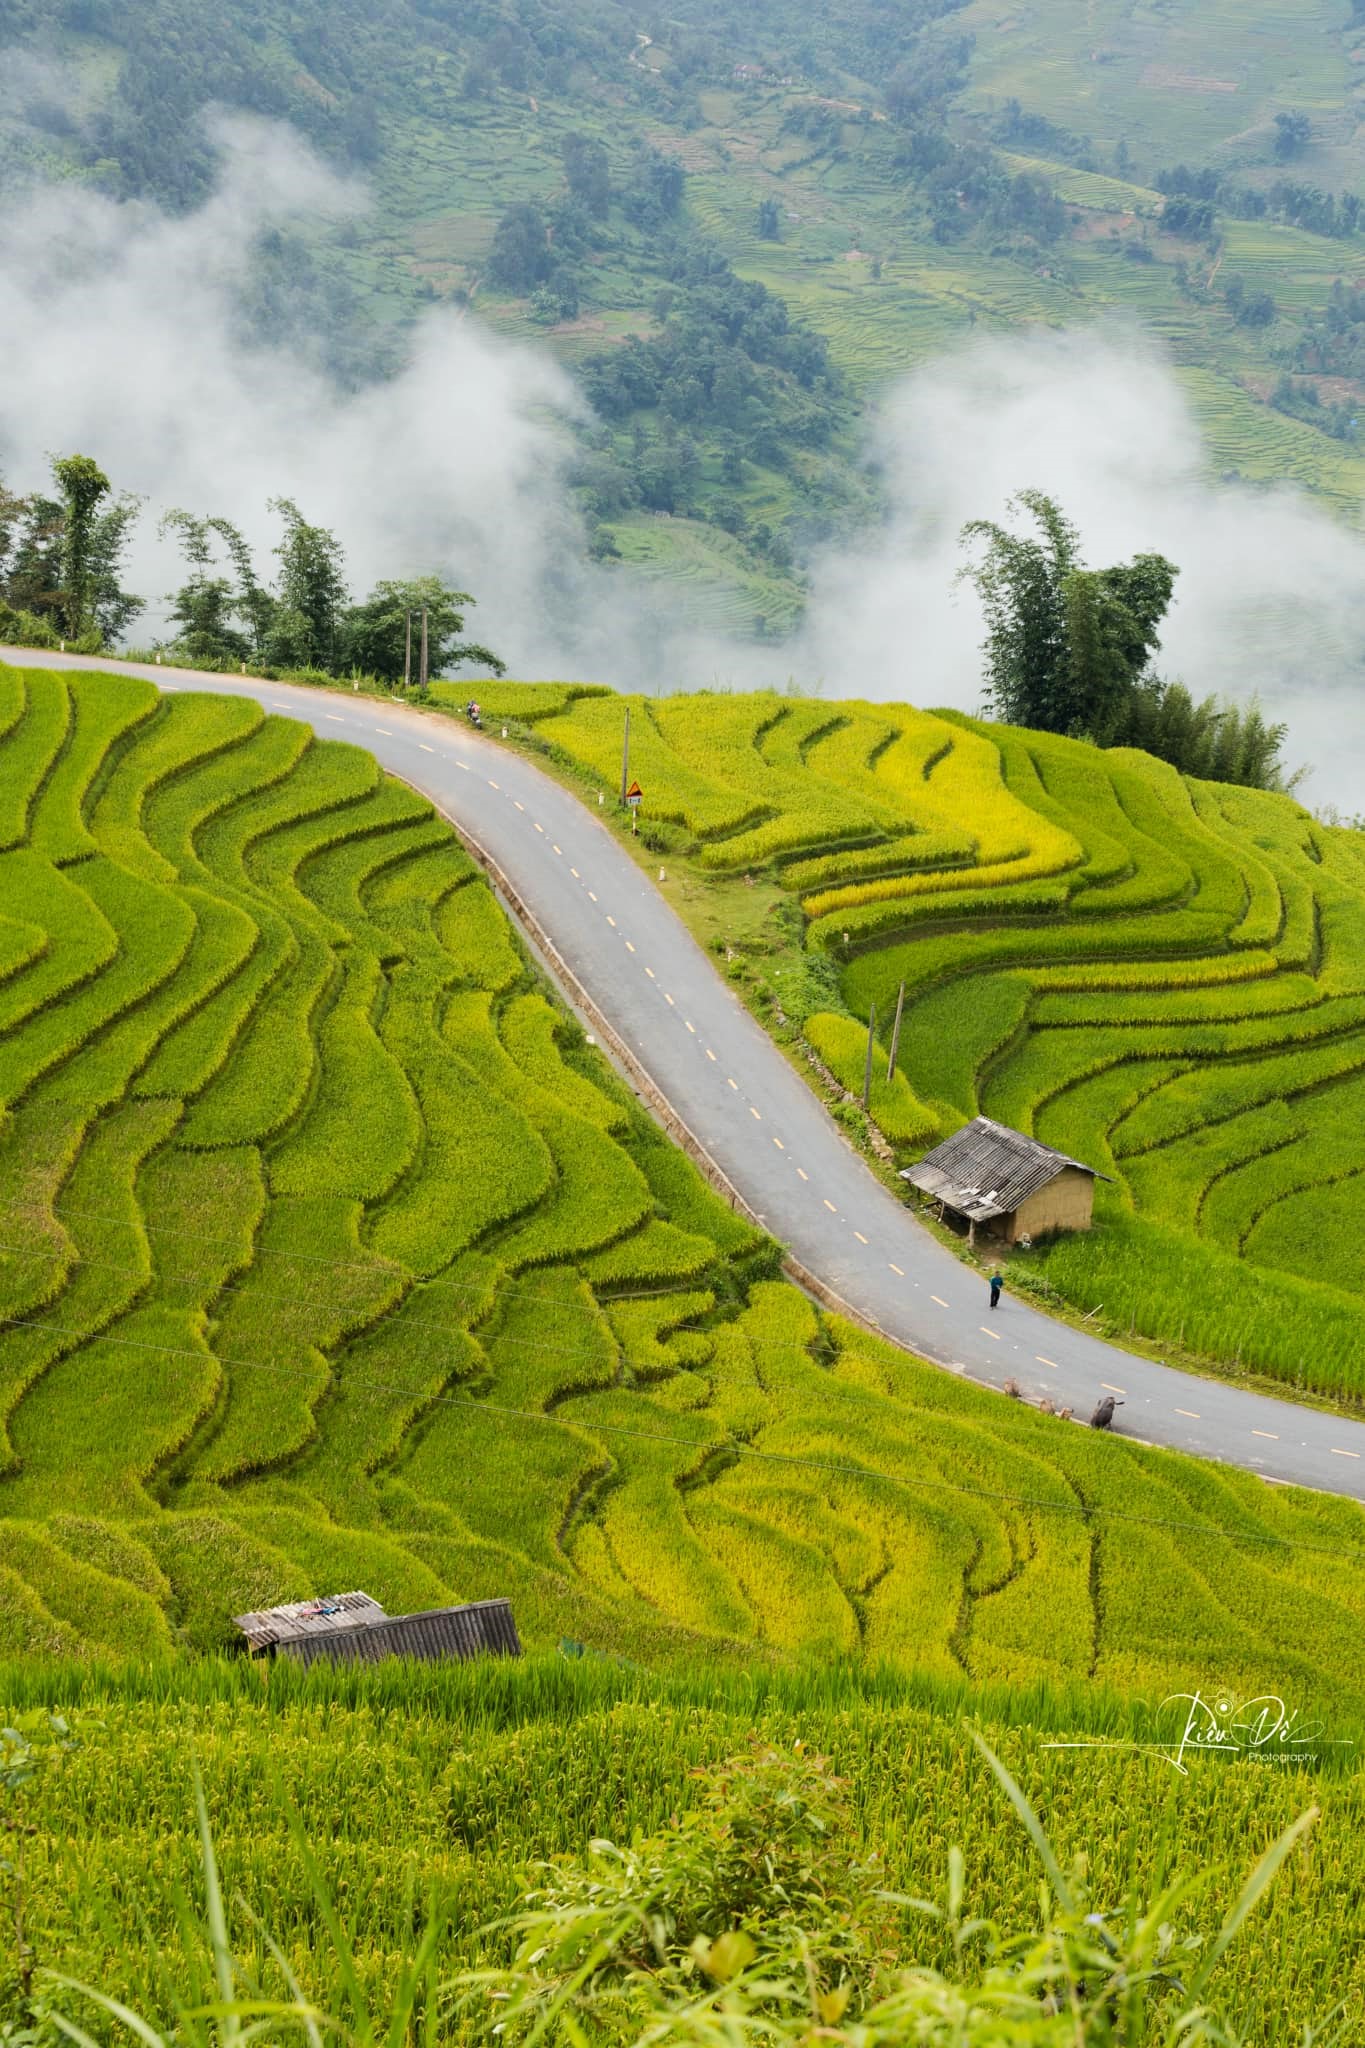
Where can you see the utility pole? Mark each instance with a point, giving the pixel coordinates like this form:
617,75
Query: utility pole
423,682
407,656
896,1035
625,758
867,1070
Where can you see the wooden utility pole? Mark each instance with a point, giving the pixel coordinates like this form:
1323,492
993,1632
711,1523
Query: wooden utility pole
867,1069
896,1035
407,656
422,684
625,758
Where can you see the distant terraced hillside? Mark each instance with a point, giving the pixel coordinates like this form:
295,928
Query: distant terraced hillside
332,1255
1164,977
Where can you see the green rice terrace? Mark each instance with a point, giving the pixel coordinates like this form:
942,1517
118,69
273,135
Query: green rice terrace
333,1254
1163,977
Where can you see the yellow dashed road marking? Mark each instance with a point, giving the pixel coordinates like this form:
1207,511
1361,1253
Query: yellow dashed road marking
1344,1454
895,1268
387,734
338,720
754,1114
1118,1390
830,1206
1266,1433
425,748
709,1054
780,1146
1189,1412
859,1235
939,1299
732,1083
994,1335
1045,1361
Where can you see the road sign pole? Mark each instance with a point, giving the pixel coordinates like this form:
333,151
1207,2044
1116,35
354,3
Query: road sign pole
625,758
867,1069
423,683
407,656
896,1034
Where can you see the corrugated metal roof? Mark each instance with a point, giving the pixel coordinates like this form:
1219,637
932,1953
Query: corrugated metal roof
302,1618
986,1169
484,1628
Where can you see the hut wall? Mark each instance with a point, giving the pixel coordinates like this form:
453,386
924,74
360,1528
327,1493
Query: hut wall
1066,1203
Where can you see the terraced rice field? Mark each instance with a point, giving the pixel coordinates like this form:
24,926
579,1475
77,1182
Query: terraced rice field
332,1255
1164,977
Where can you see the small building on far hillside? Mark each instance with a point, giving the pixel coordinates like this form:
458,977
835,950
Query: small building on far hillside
351,1628
1014,1186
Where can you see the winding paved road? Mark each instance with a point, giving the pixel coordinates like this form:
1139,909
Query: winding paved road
756,1117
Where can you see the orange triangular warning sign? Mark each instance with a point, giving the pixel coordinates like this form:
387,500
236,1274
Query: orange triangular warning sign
634,790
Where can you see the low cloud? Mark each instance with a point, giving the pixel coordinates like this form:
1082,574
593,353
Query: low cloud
1271,596
121,337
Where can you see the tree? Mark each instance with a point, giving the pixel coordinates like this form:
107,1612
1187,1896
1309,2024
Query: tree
1065,645
112,608
1019,582
83,485
1217,742
588,170
33,580
1293,133
374,634
769,221
521,257
204,605
311,593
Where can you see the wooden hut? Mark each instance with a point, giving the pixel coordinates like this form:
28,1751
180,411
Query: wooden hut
351,1628
1018,1188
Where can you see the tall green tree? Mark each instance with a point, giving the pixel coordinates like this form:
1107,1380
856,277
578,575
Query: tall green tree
83,485
205,603
305,626
111,607
375,633
1065,645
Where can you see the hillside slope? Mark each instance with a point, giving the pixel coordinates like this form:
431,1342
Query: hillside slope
332,1253
898,180
1163,977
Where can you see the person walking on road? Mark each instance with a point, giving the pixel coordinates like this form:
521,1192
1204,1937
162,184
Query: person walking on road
996,1285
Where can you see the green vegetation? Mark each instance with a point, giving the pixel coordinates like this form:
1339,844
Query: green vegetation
60,564
1069,650
333,1252
1160,975
698,1779
931,172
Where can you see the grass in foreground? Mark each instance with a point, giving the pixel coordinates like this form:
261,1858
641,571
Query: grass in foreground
756,1821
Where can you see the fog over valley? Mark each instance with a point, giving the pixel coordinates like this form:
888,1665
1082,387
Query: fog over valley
123,337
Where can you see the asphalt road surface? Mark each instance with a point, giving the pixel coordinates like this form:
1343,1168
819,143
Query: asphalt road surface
757,1118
